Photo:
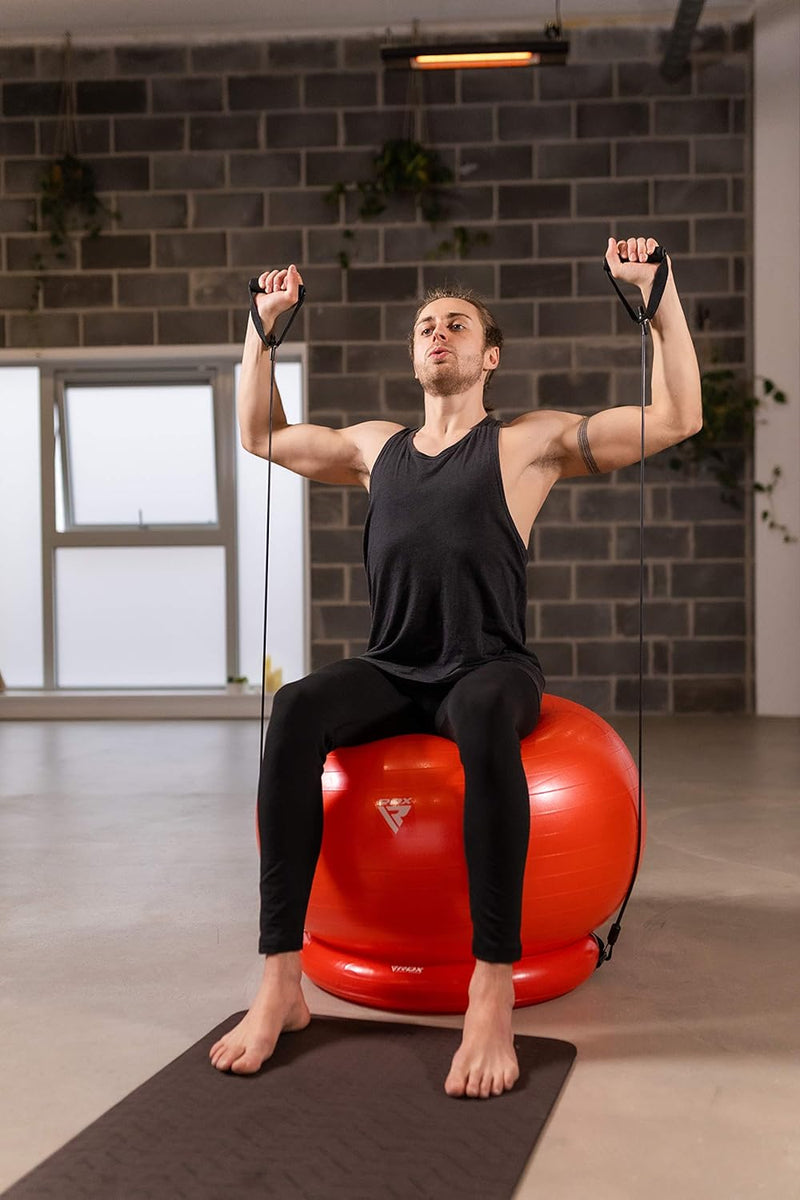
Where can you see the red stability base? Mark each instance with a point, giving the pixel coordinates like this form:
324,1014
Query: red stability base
441,988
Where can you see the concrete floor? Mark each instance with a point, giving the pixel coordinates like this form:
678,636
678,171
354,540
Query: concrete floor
128,870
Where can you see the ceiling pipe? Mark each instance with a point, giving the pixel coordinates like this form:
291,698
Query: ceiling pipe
676,57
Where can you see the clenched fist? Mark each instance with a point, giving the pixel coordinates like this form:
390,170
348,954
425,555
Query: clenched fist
281,289
627,260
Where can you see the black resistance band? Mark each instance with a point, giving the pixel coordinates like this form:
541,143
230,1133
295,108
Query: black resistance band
271,342
642,317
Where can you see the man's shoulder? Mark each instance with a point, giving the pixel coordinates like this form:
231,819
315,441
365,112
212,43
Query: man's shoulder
532,435
370,437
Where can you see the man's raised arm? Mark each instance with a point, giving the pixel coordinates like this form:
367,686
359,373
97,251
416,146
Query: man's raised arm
253,396
611,438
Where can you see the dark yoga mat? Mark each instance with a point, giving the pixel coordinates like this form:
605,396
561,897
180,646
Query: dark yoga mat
348,1109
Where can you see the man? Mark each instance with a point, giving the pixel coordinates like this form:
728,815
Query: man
452,504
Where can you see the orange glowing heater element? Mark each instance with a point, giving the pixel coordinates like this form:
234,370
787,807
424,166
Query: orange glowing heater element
483,58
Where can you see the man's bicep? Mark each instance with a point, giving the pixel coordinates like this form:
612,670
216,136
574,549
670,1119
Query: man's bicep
557,442
596,443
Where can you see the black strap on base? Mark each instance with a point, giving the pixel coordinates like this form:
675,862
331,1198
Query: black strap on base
271,342
642,318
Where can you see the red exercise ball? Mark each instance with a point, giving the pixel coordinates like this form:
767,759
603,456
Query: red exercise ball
388,921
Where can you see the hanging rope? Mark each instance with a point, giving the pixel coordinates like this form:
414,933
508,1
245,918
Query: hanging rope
66,137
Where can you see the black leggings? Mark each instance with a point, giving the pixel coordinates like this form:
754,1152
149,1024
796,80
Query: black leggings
485,713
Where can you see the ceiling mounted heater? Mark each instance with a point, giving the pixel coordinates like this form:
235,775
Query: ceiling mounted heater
546,50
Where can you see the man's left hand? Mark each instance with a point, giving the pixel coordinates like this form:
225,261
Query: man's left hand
627,260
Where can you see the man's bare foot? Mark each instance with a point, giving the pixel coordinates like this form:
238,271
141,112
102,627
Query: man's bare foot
278,1007
485,1063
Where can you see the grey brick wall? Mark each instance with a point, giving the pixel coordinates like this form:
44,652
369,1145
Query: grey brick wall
217,159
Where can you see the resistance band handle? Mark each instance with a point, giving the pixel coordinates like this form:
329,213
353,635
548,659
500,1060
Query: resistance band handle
659,255
271,341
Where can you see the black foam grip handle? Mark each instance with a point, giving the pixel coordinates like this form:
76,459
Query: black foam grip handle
659,256
254,289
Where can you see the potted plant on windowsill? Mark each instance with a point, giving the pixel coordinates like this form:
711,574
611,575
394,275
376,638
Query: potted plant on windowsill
237,684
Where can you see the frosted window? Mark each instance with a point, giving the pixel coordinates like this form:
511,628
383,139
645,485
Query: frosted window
140,617
142,455
21,646
287,605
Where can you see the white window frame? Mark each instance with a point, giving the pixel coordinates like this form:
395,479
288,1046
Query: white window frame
215,365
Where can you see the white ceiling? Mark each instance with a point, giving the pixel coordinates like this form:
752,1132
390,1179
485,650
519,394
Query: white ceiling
203,20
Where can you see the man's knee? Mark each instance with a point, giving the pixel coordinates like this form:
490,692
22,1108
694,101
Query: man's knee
483,707
299,700
486,715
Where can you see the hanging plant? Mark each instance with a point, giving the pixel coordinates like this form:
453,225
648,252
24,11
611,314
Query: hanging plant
404,166
68,202
461,243
400,166
68,199
724,444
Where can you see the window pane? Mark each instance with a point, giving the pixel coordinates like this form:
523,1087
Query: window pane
149,617
287,608
142,455
21,648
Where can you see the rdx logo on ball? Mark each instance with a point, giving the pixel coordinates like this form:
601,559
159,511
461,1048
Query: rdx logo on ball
395,811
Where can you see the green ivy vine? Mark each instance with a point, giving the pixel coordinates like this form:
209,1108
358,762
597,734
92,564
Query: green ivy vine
729,416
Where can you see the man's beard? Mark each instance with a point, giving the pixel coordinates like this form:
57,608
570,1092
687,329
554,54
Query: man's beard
451,376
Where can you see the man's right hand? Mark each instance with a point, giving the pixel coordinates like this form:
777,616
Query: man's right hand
281,289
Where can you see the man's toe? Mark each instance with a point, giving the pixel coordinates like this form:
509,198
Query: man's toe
247,1063
225,1056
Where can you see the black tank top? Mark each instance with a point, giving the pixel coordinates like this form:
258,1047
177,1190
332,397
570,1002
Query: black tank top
445,562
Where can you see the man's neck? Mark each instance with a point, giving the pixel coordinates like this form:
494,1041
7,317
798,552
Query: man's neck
446,416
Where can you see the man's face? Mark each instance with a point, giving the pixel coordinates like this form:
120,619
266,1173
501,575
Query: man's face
449,351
